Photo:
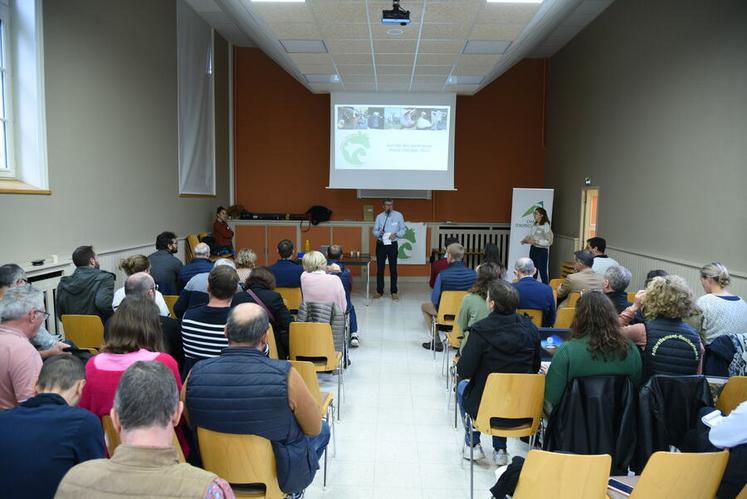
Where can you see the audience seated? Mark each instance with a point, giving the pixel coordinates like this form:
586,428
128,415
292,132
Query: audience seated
287,272
456,277
165,267
597,247
474,306
21,315
146,409
222,233
245,260
334,259
199,264
503,342
440,264
89,291
670,345
195,293
654,273
244,392
597,347
260,289
202,327
616,280
45,436
723,312
492,254
584,279
12,276
132,265
533,293
319,286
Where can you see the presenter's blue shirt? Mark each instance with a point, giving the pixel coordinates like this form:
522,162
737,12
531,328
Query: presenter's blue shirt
394,223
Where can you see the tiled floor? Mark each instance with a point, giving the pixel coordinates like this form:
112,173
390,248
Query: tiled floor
396,438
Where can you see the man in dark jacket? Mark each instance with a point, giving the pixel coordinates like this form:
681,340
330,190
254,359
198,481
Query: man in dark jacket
287,273
89,291
616,281
164,266
533,293
198,265
503,342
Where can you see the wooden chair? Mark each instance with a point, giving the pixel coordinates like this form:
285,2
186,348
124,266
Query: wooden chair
532,313
291,297
113,441
189,247
555,283
247,462
563,476
631,297
86,331
170,301
448,310
743,493
510,396
571,299
681,474
733,394
312,341
272,344
564,318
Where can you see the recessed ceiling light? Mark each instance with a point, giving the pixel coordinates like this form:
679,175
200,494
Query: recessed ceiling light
395,32
322,78
464,79
304,46
504,1
485,46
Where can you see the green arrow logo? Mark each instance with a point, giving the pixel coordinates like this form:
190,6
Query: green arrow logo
355,148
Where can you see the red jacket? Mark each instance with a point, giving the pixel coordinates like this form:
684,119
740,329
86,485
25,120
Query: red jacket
437,267
222,234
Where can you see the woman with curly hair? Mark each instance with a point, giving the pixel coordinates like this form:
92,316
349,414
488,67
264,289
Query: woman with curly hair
597,348
669,344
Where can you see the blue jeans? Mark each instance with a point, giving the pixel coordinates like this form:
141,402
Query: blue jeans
540,256
498,442
319,442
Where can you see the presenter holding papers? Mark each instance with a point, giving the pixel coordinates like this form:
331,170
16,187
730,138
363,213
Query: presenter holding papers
388,227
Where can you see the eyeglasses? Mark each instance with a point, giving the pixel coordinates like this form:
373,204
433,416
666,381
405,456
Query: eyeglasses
45,314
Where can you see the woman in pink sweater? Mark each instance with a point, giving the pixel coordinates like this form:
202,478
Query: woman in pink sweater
317,285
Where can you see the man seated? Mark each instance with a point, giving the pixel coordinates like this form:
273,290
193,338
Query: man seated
616,280
584,279
195,293
456,277
441,263
199,264
287,272
533,293
89,291
45,436
597,246
245,392
222,233
164,266
146,409
503,342
334,260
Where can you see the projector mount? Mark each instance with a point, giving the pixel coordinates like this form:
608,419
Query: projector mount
395,16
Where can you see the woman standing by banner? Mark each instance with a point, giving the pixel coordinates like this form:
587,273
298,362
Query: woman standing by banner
540,237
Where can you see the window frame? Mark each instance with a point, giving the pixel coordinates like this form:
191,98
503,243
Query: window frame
7,172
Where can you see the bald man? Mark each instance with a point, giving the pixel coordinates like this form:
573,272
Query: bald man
199,264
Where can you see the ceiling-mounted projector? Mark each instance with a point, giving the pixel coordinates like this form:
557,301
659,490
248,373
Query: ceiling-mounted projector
396,15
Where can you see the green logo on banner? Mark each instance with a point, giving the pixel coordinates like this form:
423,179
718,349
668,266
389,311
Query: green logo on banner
354,148
540,204
406,244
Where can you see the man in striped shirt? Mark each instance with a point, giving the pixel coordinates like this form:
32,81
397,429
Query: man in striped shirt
203,327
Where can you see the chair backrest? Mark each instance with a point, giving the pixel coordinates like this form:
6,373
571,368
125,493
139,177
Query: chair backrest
564,317
308,373
312,340
455,336
532,313
271,343
733,394
291,297
631,297
555,283
449,306
170,301
113,441
563,476
572,299
511,396
86,331
241,459
189,248
681,474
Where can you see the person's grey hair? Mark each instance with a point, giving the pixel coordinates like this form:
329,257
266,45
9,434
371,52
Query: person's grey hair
61,372
224,261
202,249
247,331
146,396
10,273
139,284
246,259
525,265
456,251
314,260
619,277
19,301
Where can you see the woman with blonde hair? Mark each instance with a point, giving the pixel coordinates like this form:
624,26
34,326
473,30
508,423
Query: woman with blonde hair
132,265
319,286
246,260
723,312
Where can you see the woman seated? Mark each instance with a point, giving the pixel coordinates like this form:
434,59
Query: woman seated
133,265
597,348
246,260
474,307
723,312
503,342
259,289
669,344
319,286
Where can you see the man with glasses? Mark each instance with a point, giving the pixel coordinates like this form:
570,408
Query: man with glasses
164,266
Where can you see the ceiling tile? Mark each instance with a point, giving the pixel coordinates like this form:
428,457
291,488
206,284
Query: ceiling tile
358,79
496,31
311,58
478,60
492,47
297,31
304,46
441,46
507,13
433,70
353,31
360,87
380,32
451,11
394,46
349,46
281,12
316,68
395,58
383,69
339,12
428,87
429,79
446,31
354,69
352,58
437,59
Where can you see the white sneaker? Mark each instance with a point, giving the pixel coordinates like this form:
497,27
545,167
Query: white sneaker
477,452
354,342
500,457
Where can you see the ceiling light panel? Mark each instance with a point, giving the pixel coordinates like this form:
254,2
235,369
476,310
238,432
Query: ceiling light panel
322,78
486,46
304,46
464,79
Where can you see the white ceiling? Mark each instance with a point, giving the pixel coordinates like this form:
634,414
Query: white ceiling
450,46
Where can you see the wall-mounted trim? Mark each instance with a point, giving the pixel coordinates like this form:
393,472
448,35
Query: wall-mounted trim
197,195
18,187
675,261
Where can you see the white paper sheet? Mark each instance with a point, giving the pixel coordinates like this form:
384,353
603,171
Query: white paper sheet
386,238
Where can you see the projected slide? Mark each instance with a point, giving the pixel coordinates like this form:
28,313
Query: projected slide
391,137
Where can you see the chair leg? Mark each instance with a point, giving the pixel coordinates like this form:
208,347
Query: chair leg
339,386
325,468
471,460
333,429
434,332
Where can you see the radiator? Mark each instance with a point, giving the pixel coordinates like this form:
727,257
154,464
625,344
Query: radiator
474,238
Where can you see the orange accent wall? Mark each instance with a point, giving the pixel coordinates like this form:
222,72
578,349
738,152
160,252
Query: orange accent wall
281,146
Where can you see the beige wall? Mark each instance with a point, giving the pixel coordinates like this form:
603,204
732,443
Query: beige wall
110,73
650,100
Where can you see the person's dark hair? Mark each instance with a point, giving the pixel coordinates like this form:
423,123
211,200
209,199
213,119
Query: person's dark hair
146,396
492,254
285,248
219,209
596,318
134,264
164,239
504,296
545,219
486,273
261,276
9,274
388,200
598,243
654,273
334,252
223,281
135,325
61,372
249,331
82,255
450,240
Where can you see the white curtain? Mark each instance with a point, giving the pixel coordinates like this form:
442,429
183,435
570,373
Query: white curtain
194,55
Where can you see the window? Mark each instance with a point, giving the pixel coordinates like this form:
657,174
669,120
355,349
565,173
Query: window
6,163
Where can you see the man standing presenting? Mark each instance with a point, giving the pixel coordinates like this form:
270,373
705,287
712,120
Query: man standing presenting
388,227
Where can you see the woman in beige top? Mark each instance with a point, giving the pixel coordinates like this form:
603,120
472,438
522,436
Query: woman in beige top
540,237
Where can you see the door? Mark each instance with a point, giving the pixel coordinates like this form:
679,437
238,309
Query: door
589,204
